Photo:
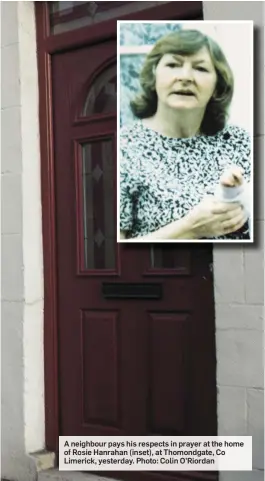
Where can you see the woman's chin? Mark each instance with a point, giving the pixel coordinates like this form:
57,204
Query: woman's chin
183,104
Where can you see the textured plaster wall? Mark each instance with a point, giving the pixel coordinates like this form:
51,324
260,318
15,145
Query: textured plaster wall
22,273
239,282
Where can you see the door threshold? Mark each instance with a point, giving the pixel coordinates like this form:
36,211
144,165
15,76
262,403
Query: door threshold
56,475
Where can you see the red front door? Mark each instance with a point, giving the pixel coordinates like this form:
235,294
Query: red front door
136,323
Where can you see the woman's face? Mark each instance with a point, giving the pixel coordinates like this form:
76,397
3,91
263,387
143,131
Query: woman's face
185,82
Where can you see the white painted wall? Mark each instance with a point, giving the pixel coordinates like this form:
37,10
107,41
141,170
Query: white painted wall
238,271
239,280
22,271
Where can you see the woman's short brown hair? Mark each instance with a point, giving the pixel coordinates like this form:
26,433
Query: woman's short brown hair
187,42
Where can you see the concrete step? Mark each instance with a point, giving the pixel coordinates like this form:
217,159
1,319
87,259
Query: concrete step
56,475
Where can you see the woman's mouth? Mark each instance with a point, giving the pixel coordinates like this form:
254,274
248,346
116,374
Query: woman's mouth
184,93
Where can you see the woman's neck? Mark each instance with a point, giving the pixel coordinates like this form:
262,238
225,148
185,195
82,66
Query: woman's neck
181,124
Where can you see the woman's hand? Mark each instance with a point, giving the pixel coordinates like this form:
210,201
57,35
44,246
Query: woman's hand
212,218
232,177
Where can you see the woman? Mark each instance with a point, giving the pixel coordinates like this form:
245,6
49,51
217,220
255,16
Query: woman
173,156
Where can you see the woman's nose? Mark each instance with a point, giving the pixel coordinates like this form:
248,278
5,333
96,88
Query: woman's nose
185,72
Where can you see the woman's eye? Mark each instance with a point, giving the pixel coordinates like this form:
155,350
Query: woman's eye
202,69
177,65
173,65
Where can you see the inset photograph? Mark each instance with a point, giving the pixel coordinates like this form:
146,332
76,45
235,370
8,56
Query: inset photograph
185,131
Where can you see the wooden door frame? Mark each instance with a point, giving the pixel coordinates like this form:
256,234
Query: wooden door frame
46,46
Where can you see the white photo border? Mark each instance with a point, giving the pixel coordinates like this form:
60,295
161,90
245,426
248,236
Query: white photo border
144,49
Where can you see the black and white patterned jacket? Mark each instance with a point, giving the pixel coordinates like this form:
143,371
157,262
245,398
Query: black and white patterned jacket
163,178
